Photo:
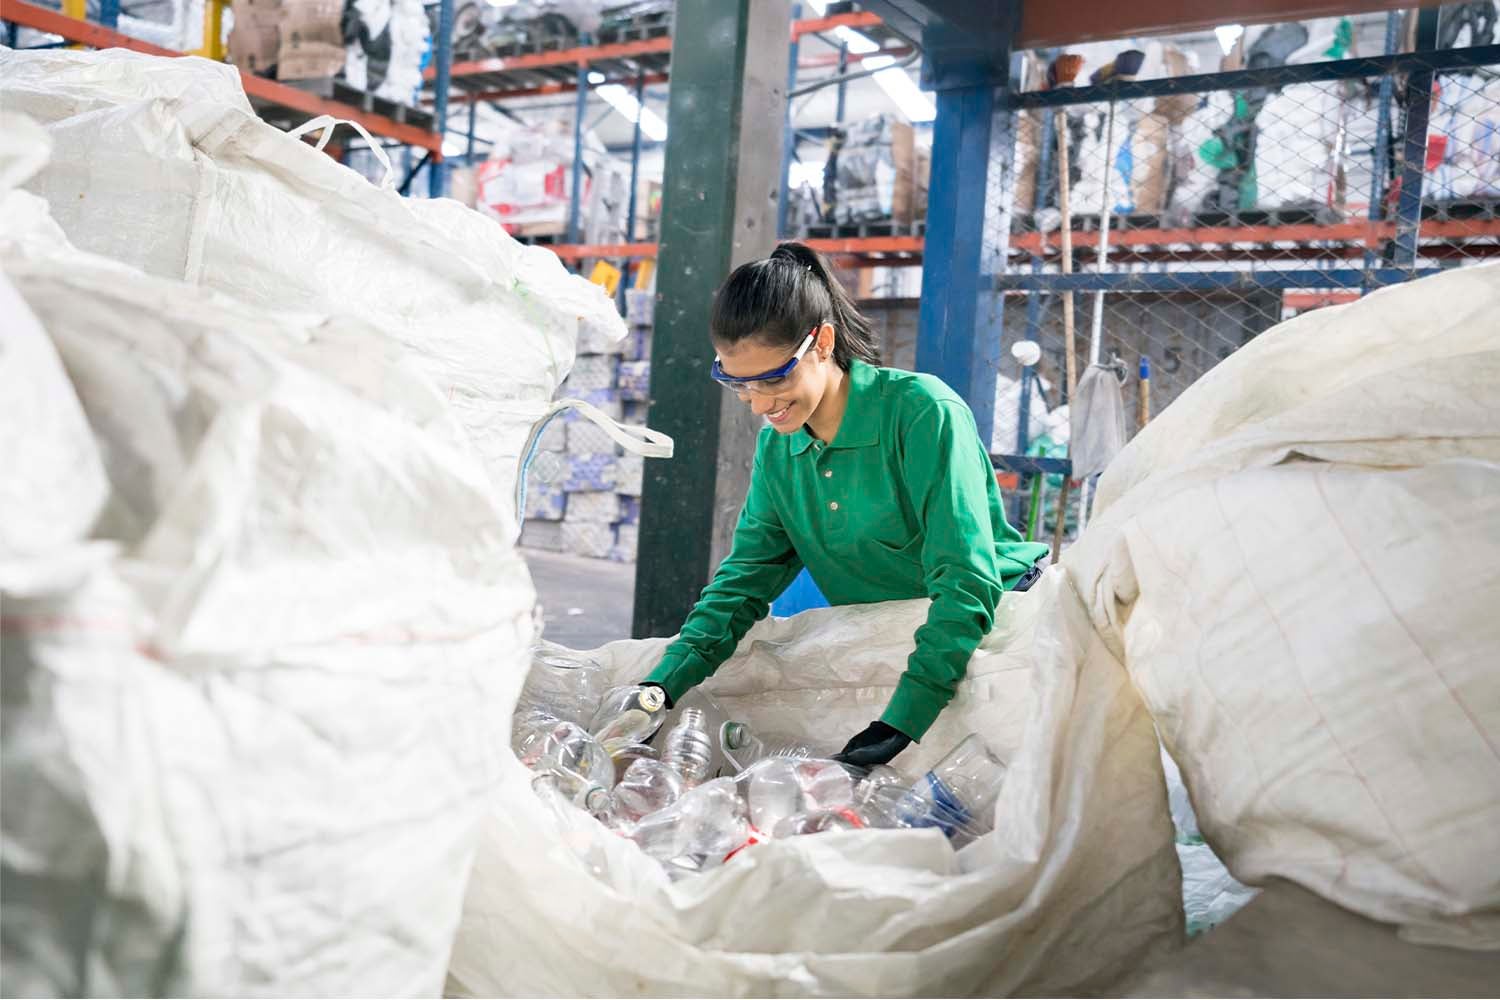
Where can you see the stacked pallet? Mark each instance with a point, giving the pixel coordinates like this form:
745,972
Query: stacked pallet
583,492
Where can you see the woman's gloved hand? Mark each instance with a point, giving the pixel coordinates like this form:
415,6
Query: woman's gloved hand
876,745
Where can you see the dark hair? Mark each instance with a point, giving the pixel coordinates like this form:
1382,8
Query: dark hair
782,298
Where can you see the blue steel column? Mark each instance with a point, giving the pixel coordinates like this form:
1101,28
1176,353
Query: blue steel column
580,108
788,137
1036,302
437,175
635,173
1414,146
109,13
469,149
1380,153
948,331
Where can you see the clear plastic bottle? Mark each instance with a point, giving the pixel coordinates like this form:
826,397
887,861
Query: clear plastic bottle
877,777
698,830
819,821
688,749
628,715
958,795
826,785
742,747
577,763
564,685
646,787
773,792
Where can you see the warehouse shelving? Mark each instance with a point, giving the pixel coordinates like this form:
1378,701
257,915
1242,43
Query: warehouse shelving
277,102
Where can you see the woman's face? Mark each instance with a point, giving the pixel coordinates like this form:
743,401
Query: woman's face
788,403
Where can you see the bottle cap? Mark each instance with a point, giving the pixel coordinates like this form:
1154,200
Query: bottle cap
652,698
733,735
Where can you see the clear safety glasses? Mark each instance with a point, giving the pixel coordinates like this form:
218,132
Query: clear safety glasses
766,383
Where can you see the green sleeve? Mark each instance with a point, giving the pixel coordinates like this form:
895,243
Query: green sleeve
946,473
760,565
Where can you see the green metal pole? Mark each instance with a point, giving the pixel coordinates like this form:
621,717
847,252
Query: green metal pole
719,198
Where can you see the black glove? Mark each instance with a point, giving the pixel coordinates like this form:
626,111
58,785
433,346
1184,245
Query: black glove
876,745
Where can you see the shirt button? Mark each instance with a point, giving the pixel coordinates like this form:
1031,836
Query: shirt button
834,505
827,473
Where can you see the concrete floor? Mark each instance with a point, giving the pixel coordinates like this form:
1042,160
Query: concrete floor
585,602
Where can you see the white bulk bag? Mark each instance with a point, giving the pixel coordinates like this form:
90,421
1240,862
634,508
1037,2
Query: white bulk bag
1299,561
1078,884
193,186
251,721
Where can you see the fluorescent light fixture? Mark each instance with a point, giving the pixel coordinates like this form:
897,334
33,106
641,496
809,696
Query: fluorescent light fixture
501,3
806,173
898,86
1228,34
595,76
454,146
625,103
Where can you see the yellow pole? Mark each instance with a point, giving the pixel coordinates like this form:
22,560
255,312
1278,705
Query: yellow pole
78,10
213,31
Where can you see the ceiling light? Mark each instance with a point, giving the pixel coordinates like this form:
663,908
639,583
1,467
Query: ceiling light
595,76
901,88
630,109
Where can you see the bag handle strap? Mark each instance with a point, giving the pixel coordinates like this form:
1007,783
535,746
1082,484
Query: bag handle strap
328,123
641,441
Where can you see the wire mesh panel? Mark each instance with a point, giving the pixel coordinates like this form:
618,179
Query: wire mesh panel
1323,165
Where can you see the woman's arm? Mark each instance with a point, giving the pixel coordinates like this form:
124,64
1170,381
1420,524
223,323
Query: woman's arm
946,471
760,565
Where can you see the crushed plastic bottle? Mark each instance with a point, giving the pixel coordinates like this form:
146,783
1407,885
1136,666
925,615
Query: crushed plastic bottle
877,777
826,785
688,749
958,794
819,821
646,787
628,715
563,685
742,747
698,830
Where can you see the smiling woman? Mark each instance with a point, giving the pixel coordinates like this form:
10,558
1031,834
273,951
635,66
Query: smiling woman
874,479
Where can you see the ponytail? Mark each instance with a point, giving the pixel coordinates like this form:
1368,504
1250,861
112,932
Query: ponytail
783,298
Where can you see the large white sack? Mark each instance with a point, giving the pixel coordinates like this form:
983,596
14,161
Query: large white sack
1077,885
249,728
1299,563
190,184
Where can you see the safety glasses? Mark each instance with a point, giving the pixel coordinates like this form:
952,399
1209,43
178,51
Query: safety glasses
766,383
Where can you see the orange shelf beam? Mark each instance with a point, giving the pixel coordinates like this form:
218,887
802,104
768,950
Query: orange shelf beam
97,36
811,26
584,55
459,96
1356,233
581,56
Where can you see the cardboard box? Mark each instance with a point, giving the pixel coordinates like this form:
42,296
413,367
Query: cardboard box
255,39
913,165
312,40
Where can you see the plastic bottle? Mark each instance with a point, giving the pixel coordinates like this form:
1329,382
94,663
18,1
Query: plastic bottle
879,776
959,793
819,821
646,787
826,785
628,715
772,791
688,749
578,764
742,747
564,685
698,830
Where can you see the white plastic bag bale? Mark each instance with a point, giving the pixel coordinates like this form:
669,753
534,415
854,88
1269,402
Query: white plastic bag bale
150,173
1300,562
1077,885
251,722
54,486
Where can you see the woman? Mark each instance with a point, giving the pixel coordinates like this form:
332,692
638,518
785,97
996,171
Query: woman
874,479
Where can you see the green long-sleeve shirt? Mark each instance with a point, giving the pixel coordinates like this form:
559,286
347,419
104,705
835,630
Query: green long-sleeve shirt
901,504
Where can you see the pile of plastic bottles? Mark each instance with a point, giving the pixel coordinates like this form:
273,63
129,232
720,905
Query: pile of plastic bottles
707,787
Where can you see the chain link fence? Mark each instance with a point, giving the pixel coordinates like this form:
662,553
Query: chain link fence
1205,211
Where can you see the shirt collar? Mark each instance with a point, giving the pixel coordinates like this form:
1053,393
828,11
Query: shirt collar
861,424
